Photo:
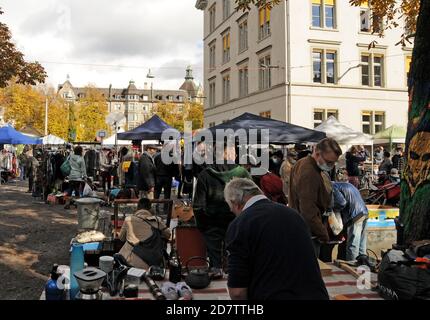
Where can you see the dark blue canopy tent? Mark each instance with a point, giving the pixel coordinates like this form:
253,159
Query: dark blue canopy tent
9,135
150,130
280,132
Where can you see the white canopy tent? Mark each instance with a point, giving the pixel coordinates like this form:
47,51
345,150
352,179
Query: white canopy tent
52,140
344,135
111,141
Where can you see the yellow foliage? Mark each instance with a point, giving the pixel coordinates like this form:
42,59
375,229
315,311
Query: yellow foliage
91,112
23,106
175,115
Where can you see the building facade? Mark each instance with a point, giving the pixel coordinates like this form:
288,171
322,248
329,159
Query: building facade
137,104
301,62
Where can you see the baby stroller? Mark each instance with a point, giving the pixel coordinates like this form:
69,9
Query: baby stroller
385,194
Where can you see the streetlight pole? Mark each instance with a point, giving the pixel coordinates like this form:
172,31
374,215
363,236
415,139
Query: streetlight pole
151,76
46,113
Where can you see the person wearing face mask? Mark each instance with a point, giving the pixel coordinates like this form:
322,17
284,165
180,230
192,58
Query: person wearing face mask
310,190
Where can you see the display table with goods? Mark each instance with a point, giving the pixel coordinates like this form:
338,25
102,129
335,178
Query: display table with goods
341,285
98,272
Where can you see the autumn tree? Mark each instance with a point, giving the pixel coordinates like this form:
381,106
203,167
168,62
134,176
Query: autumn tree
415,196
13,66
175,115
58,120
23,106
91,112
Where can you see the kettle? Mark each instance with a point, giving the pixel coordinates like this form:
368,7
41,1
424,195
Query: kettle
197,278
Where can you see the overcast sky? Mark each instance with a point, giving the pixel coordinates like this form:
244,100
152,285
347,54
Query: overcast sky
89,39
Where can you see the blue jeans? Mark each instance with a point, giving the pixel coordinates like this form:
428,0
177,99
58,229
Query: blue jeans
356,243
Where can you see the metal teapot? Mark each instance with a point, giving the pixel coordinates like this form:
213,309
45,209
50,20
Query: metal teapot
197,278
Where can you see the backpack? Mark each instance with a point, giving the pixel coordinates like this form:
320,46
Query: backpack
152,249
66,168
400,278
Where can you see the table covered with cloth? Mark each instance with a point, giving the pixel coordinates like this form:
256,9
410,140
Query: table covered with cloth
340,285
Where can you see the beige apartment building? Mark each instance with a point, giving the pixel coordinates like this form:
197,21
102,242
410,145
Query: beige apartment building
302,62
137,104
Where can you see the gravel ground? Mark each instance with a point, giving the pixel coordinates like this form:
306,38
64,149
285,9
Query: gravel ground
33,236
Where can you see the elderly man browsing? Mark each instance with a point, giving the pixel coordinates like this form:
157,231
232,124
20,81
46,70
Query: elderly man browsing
270,252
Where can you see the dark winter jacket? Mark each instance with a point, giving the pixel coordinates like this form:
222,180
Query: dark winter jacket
398,162
92,162
166,170
348,201
352,163
146,177
210,208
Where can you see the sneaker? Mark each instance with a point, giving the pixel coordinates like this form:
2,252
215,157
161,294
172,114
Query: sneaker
169,291
184,291
215,273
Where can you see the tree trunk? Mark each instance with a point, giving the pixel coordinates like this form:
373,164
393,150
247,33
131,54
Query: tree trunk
415,199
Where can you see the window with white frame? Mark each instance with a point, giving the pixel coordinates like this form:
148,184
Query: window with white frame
132,117
226,88
131,106
265,77
211,124
369,22
243,36
225,9
117,106
324,14
264,14
226,47
212,92
372,69
324,66
243,81
321,115
145,98
212,56
212,17
372,121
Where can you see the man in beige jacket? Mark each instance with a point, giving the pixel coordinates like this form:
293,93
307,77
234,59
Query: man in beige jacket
137,228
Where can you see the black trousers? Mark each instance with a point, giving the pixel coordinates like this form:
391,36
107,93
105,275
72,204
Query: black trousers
106,179
163,183
215,245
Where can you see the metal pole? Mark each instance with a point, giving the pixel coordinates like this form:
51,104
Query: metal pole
289,102
46,115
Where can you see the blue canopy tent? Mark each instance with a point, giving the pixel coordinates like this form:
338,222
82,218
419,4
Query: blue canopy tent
9,135
280,132
152,129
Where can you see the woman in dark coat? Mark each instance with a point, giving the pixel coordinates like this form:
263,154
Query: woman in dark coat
353,160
